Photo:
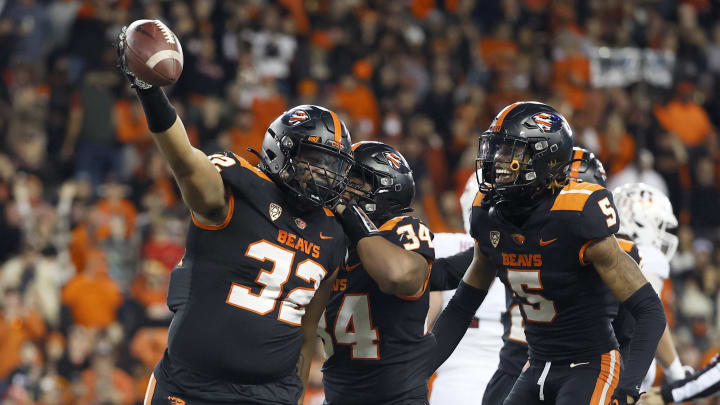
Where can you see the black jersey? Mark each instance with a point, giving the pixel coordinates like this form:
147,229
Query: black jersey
376,344
514,352
240,290
566,306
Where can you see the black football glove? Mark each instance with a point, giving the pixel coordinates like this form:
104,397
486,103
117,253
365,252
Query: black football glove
135,83
356,223
625,397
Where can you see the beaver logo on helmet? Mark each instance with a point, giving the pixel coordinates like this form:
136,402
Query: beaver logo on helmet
298,117
547,122
395,160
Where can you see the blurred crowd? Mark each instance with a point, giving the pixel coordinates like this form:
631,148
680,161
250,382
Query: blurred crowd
91,223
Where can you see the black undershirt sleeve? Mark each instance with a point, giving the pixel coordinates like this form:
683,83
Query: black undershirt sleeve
448,271
454,320
646,308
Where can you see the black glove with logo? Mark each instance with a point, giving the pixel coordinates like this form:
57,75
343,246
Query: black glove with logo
356,223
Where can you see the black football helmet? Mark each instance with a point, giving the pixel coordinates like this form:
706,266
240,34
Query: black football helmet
585,167
381,180
307,150
527,146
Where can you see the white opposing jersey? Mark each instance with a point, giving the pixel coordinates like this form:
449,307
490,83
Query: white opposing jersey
463,377
656,268
653,261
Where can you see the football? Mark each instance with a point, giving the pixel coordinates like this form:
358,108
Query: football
153,52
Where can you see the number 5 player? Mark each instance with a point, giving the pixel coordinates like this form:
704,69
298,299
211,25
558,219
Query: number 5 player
261,256
542,233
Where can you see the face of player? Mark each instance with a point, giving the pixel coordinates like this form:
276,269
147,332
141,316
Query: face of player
508,157
316,168
358,185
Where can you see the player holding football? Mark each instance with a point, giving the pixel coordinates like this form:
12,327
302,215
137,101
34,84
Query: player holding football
261,256
374,332
541,232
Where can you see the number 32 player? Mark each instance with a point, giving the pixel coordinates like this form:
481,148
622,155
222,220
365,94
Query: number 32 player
260,258
542,233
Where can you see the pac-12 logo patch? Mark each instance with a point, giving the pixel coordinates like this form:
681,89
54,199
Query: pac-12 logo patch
298,117
495,238
547,122
275,211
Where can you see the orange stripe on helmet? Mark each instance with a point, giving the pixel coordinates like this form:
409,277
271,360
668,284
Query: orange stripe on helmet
577,161
501,117
357,144
338,128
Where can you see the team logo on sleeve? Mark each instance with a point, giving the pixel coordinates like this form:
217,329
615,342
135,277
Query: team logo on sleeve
300,223
495,238
275,211
518,238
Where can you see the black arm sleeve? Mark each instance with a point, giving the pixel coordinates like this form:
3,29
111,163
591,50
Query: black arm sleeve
646,308
448,271
454,320
702,384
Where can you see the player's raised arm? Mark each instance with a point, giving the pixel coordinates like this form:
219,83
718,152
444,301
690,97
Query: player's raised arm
620,272
453,322
200,183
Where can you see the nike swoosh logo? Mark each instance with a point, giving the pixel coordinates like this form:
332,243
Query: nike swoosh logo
325,236
547,242
351,268
573,365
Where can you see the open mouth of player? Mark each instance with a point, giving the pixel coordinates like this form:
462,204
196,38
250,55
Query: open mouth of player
504,175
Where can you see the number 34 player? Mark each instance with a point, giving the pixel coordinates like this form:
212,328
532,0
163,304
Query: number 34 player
542,233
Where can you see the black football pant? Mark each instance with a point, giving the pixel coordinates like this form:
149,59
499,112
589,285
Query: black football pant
417,401
158,393
590,381
498,388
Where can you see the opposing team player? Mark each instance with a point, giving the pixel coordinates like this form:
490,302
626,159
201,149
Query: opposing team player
702,384
374,325
543,232
261,255
464,375
645,215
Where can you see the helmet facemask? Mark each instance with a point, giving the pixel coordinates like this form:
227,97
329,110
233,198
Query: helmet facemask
504,165
317,174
